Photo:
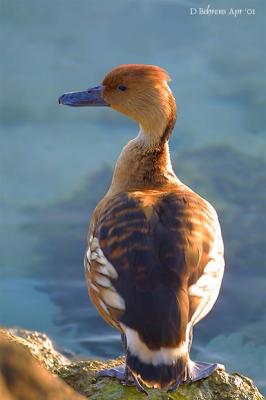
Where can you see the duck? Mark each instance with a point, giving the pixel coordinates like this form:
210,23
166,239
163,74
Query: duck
154,260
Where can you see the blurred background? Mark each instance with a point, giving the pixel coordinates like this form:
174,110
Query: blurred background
56,162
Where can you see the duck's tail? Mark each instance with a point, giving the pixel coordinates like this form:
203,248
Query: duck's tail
166,374
158,376
164,367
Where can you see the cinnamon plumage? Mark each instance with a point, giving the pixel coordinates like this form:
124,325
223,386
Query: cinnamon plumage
154,262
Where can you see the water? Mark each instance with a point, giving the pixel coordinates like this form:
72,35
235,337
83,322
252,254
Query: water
56,162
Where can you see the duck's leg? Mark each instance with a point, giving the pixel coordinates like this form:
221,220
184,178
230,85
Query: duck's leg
199,370
190,339
122,372
124,342
195,370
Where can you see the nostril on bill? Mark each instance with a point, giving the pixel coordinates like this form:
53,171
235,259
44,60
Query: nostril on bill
60,99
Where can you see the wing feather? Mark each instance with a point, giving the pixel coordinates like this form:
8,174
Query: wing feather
164,255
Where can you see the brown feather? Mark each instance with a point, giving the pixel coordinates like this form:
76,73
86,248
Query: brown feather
123,227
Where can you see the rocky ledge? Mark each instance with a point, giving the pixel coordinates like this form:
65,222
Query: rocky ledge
31,369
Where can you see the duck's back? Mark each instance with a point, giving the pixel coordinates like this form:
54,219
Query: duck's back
154,267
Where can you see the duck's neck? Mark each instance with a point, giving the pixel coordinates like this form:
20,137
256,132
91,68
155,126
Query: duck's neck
141,165
145,161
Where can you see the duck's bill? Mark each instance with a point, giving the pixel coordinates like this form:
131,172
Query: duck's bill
88,98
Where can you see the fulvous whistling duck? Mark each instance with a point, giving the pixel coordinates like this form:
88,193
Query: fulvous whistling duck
154,262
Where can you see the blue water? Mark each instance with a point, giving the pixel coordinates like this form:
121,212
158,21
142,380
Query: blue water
50,153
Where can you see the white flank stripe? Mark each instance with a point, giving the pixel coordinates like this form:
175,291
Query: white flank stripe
94,244
102,281
102,270
99,252
107,270
111,270
212,268
100,260
194,290
103,306
92,286
96,254
208,285
113,299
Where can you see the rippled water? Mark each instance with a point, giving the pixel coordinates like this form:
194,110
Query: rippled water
56,162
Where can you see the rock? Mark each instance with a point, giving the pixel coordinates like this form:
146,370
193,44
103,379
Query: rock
39,345
23,378
220,386
28,376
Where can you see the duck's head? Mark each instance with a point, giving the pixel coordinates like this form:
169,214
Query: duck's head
139,91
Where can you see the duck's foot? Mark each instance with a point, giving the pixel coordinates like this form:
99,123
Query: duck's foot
198,370
123,374
195,371
119,372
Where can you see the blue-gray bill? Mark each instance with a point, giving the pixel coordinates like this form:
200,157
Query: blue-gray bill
88,98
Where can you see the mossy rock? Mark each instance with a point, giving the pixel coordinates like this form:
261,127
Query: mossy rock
39,346
219,386
81,376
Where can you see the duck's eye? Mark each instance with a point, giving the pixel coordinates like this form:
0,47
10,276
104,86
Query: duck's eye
122,88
